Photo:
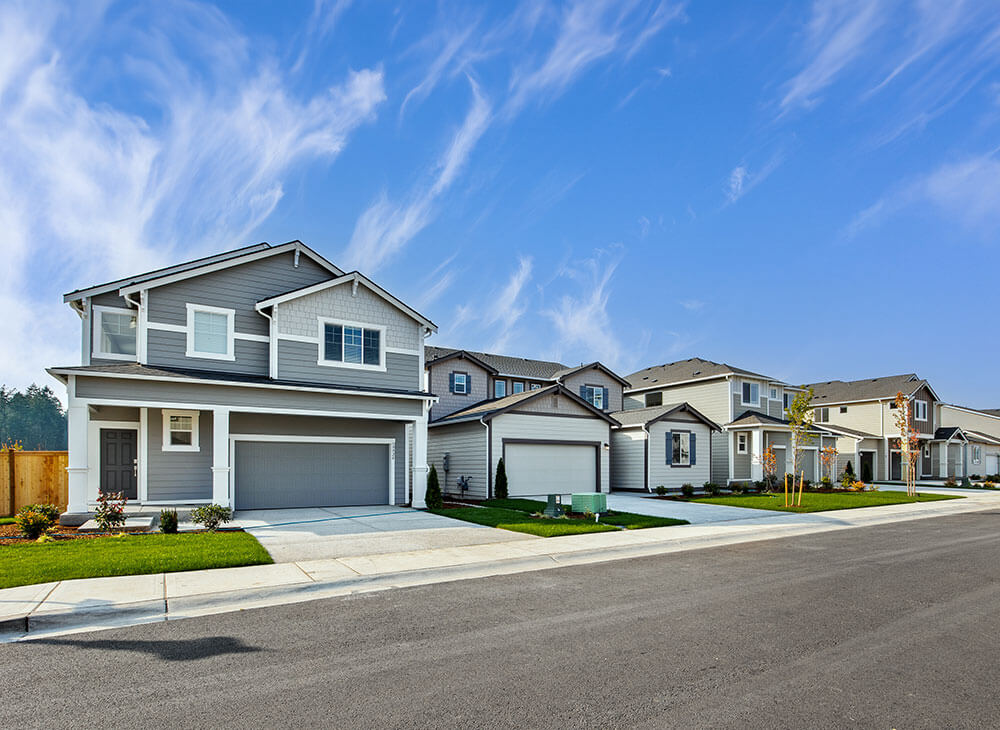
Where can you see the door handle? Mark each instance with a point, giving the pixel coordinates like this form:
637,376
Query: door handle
135,467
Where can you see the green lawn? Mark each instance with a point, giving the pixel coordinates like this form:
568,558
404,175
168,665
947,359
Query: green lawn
6,520
26,563
819,502
515,515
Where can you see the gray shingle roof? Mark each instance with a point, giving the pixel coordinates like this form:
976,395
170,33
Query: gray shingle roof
517,366
643,416
755,418
946,432
987,437
841,391
836,428
486,407
694,368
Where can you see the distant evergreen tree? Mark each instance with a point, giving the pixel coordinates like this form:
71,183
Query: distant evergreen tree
433,496
35,418
500,483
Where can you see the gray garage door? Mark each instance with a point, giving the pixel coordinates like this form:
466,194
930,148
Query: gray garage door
272,475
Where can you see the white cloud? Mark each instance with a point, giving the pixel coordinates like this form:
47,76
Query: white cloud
742,180
450,44
692,305
92,191
736,179
385,227
507,307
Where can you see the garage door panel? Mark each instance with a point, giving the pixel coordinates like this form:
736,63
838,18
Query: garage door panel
270,475
536,469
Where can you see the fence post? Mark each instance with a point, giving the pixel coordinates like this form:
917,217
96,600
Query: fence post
10,480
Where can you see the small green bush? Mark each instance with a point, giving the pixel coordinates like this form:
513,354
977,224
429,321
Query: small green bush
712,488
433,496
736,487
168,521
500,483
32,522
687,490
211,516
661,490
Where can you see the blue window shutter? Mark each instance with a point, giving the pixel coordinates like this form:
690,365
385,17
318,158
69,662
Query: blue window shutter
451,382
605,400
692,448
670,448
468,383
583,392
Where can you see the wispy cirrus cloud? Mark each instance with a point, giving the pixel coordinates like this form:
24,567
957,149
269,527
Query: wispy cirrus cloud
106,190
742,179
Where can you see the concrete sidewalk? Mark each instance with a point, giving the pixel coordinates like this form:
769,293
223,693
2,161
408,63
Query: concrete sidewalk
87,604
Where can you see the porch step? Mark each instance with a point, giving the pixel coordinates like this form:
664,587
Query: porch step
137,523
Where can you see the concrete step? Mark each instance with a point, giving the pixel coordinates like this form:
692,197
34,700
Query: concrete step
136,523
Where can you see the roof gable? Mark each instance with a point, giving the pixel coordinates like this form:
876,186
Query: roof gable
504,365
683,371
653,414
490,409
596,365
883,388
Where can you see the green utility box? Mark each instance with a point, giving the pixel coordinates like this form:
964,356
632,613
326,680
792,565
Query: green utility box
595,502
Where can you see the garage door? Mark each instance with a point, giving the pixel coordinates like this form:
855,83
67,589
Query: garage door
272,475
534,469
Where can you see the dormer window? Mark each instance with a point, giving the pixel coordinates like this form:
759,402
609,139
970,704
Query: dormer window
210,332
499,388
114,333
350,345
751,394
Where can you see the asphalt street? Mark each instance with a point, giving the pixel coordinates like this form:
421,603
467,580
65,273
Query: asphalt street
890,627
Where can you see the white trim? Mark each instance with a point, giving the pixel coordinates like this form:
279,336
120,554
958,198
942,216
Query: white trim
465,383
97,335
227,263
402,351
283,438
94,455
143,452
751,384
324,321
298,338
246,409
194,415
230,315
917,403
746,442
251,338
269,386
163,326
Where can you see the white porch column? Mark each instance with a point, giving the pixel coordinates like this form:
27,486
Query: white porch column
420,462
943,461
220,457
78,418
756,450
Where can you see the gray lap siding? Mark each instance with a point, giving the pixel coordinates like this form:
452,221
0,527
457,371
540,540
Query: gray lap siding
178,476
300,361
467,446
168,349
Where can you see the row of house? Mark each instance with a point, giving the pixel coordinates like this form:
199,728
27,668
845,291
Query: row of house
267,377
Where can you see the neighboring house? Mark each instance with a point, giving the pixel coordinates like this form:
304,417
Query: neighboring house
262,377
979,433
548,421
749,406
666,445
862,412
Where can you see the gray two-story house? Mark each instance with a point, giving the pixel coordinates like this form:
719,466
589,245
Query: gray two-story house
264,377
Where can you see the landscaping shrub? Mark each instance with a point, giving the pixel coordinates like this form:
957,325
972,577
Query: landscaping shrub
975,477
211,516
849,469
500,483
761,485
34,520
433,496
661,490
950,482
168,521
736,487
687,490
826,483
110,511
712,488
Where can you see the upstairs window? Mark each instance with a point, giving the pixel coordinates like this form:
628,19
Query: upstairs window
654,399
535,386
594,395
350,345
786,401
822,415
499,388
210,332
751,394
920,410
114,333
843,409
774,394
460,383
518,387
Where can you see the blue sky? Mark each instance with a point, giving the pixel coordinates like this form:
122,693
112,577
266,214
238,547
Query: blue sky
810,190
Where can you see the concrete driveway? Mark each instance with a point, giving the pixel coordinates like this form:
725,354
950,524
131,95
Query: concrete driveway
335,532
696,514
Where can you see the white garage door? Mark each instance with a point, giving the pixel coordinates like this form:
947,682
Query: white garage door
536,469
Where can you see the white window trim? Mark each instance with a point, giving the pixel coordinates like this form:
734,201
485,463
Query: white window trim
195,428
676,434
742,443
465,383
977,454
746,402
917,405
513,387
96,333
500,382
324,321
775,392
230,353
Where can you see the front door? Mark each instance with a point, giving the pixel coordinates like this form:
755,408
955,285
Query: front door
867,467
896,466
119,465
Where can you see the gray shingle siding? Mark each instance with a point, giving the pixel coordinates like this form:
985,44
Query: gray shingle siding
168,348
179,475
299,361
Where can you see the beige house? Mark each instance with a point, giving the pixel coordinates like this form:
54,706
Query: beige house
978,435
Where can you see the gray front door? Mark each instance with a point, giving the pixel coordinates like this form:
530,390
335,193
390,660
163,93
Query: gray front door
282,475
895,466
119,465
866,470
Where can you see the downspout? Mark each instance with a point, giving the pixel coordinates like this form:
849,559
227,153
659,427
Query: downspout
489,457
140,334
645,466
272,360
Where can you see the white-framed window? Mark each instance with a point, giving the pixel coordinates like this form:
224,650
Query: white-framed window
843,409
210,332
751,394
499,388
977,454
822,415
351,345
517,387
180,430
920,410
535,386
681,448
114,333
461,383
774,394
594,395
741,443
786,401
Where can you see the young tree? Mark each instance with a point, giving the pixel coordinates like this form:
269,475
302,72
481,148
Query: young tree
909,444
769,465
500,483
829,458
433,496
800,419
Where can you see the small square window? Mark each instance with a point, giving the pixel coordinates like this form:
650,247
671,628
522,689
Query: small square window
499,388
774,394
180,430
654,399
535,386
843,409
518,387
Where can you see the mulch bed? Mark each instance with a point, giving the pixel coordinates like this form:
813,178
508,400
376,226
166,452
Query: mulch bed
11,535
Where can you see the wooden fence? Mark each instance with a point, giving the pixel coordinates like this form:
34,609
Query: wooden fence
33,477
